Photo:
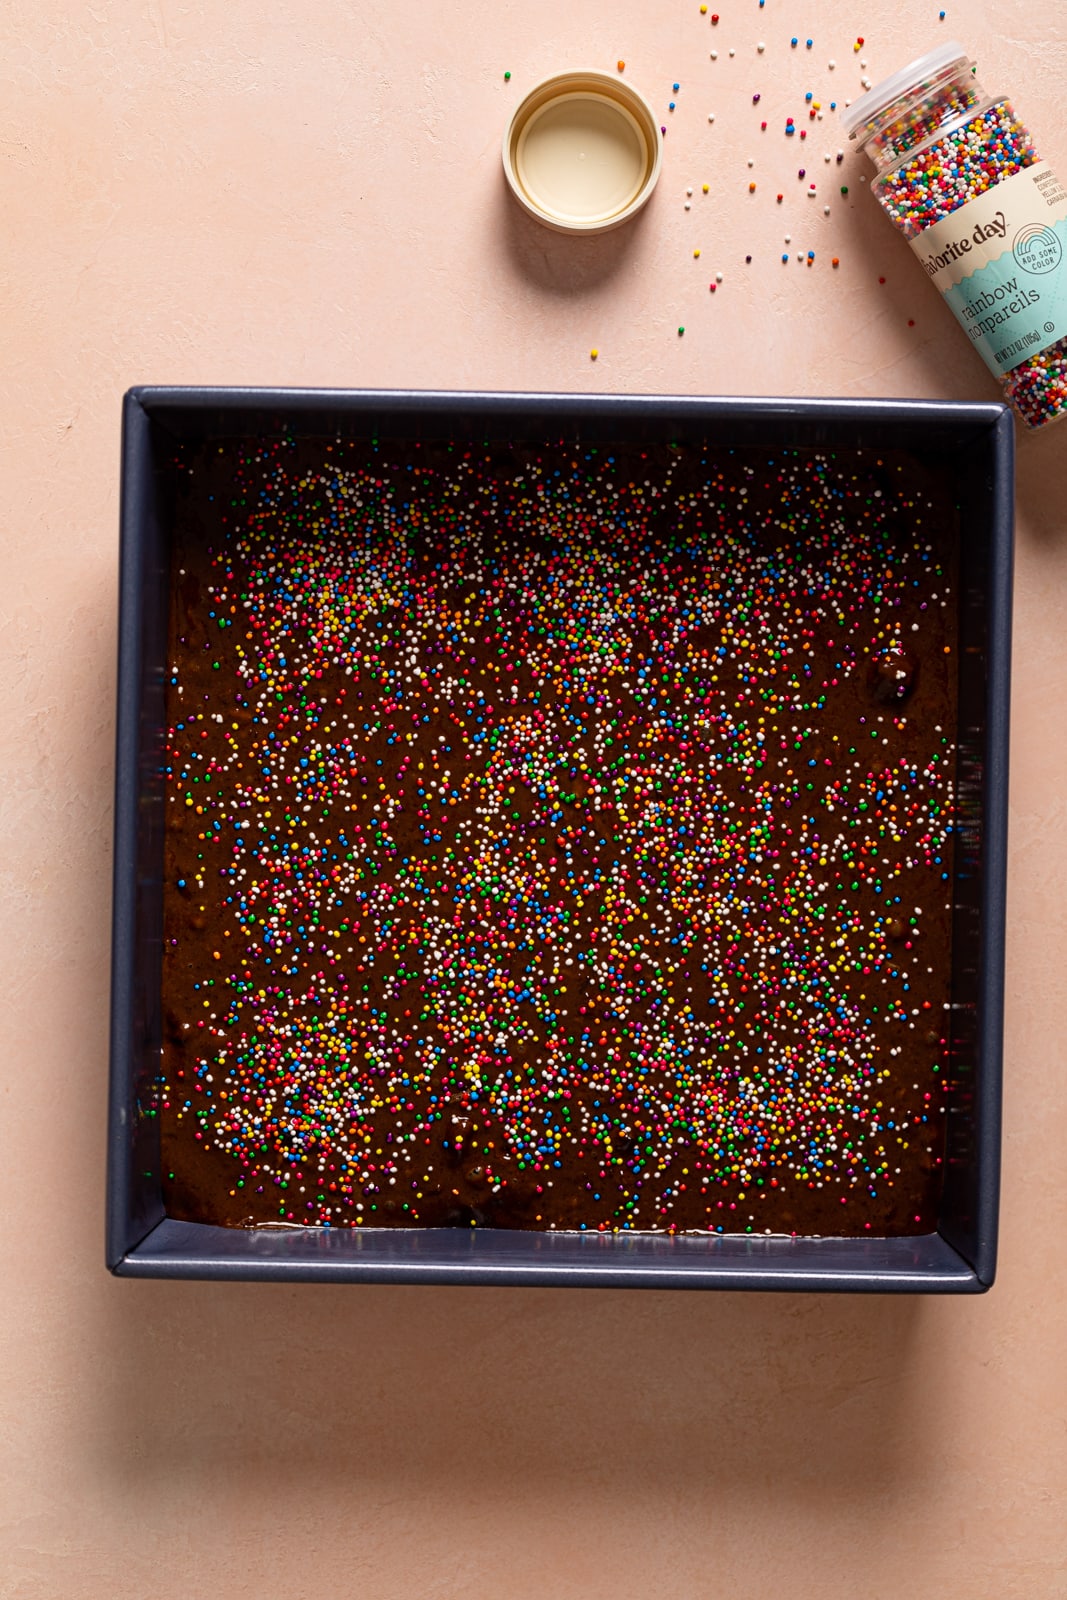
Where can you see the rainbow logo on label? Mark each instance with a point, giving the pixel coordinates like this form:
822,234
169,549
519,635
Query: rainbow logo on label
1037,249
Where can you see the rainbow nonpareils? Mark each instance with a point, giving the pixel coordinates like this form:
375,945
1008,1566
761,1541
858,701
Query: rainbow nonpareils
964,163
938,149
558,837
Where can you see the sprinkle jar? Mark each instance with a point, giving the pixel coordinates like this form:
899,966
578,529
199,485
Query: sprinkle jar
959,175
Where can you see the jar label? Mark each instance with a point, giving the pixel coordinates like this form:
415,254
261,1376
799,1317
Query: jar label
1001,263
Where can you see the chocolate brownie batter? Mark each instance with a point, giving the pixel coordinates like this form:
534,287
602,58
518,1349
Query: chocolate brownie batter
558,837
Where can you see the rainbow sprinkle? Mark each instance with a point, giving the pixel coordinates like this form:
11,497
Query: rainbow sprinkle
552,841
938,149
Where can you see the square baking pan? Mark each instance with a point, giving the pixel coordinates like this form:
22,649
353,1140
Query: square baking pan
972,447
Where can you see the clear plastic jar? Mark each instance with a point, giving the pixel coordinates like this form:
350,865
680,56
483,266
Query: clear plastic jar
958,174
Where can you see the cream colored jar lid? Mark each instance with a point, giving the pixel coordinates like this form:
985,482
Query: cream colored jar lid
582,152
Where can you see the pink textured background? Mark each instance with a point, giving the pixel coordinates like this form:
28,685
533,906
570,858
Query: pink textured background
218,191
